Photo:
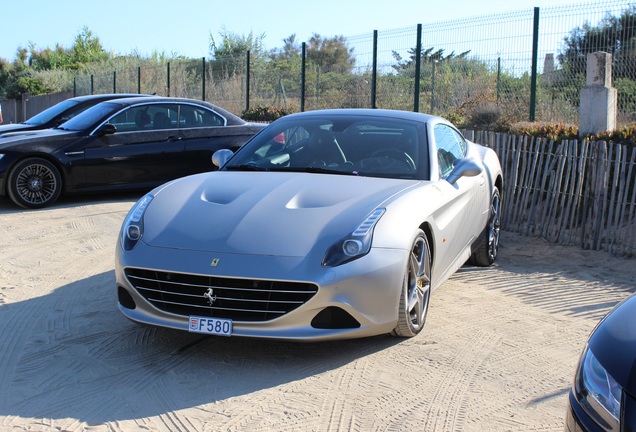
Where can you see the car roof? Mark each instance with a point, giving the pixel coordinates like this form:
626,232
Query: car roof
408,115
106,96
232,119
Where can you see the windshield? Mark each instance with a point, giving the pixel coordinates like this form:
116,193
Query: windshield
49,114
340,143
90,118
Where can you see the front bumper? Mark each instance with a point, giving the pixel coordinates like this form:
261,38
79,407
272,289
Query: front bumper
367,289
577,420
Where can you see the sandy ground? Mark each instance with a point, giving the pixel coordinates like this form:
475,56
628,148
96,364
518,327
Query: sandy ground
498,351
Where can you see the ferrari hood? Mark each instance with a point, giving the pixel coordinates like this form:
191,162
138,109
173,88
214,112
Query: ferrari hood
263,213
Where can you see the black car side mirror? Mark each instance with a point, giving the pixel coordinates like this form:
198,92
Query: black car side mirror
106,129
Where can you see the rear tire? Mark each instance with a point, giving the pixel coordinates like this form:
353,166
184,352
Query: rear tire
34,183
488,243
416,289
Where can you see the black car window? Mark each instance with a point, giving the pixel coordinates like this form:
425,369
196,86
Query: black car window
49,114
91,118
450,147
145,117
192,116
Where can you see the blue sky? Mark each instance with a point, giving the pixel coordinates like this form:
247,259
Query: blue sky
184,27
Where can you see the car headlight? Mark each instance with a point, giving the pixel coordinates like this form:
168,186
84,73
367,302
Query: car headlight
597,392
356,244
133,227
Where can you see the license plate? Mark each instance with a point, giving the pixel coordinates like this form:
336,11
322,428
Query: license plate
207,325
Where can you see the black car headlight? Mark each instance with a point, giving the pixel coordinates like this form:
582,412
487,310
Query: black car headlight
133,227
597,392
356,244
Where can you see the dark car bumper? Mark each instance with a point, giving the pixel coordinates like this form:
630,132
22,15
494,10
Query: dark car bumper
577,420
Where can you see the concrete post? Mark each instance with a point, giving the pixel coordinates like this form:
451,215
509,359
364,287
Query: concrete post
598,98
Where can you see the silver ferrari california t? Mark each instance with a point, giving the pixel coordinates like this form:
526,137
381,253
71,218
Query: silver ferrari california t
326,225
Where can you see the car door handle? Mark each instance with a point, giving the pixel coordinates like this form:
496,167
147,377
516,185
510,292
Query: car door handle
173,138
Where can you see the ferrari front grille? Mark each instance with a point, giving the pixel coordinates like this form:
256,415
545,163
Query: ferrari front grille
236,299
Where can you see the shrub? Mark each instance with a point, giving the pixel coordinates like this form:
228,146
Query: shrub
555,132
264,113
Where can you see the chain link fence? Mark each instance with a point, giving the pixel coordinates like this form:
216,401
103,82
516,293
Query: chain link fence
521,65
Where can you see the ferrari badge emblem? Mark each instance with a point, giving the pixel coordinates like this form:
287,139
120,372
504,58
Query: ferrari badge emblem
209,295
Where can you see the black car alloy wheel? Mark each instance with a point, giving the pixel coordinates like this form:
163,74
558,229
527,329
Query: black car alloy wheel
34,183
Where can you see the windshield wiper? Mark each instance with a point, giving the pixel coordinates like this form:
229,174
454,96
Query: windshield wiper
317,170
245,167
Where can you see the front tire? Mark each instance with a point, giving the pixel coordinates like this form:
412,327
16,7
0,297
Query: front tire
416,289
488,244
34,183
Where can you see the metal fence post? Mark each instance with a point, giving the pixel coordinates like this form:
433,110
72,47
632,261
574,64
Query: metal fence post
418,65
247,81
114,81
302,78
433,88
92,84
138,79
374,71
498,79
168,79
203,78
535,55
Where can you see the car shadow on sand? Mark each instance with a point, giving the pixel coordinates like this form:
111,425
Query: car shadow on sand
7,206
562,280
71,354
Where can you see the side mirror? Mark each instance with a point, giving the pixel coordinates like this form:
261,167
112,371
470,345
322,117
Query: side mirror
466,167
106,129
220,157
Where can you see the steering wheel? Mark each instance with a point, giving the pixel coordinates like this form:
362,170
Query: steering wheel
396,154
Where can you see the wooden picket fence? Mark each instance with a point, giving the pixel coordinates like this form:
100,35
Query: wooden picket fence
571,193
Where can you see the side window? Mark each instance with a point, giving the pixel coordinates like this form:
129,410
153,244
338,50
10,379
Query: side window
193,117
164,116
145,117
450,147
132,119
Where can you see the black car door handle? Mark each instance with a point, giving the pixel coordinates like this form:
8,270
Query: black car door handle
173,138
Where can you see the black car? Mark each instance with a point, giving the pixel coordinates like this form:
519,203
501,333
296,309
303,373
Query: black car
61,112
603,397
131,143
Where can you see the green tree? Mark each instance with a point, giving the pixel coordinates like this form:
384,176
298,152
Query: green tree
428,56
229,54
614,35
87,49
330,54
290,50
5,77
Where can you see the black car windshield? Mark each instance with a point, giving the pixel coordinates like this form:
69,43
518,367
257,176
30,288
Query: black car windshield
363,145
49,114
90,118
